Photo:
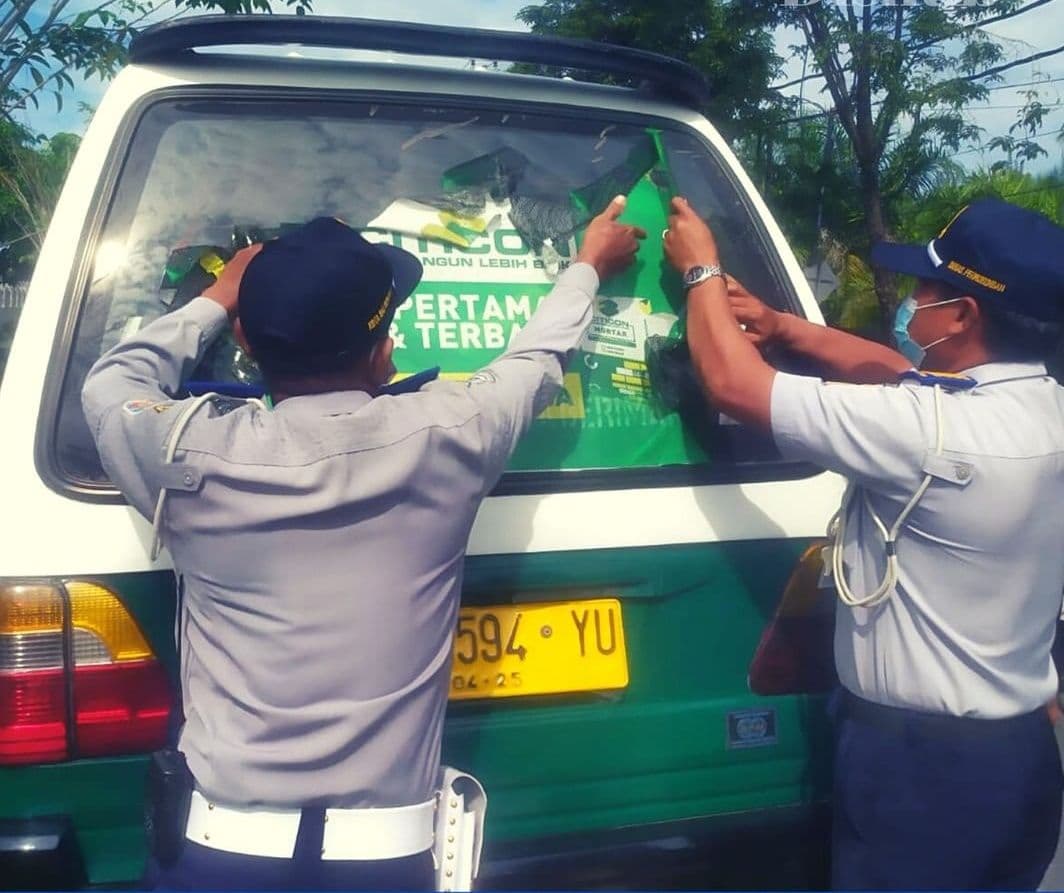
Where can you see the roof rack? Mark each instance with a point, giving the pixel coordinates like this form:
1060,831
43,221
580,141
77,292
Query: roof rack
175,40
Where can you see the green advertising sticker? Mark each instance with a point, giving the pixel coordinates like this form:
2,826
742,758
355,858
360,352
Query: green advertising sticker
483,283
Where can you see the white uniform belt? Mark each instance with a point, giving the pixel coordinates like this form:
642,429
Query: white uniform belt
352,834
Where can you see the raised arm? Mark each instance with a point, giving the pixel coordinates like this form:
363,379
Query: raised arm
512,390
730,368
842,356
129,394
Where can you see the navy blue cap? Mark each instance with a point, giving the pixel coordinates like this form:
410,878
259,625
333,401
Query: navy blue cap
318,297
993,251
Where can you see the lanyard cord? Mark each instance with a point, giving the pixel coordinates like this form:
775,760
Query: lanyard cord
177,713
837,531
171,448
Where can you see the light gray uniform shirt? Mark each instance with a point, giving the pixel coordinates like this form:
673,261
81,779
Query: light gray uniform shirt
969,628
321,546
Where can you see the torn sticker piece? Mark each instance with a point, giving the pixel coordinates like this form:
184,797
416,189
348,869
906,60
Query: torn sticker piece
424,221
131,327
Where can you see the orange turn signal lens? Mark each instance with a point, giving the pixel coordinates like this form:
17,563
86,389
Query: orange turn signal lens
38,608
30,608
98,610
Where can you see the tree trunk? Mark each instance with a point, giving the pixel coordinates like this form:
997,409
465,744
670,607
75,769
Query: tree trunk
886,283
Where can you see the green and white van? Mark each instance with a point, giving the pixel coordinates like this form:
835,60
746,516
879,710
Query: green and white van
620,575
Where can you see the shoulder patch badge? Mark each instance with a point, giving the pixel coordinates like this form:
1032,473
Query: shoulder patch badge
484,376
135,407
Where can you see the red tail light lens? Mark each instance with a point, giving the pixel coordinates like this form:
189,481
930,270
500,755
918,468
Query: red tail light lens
71,649
121,709
796,651
33,727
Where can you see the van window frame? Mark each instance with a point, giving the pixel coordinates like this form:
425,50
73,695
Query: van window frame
511,483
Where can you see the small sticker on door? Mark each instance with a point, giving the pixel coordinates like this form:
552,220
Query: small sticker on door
751,728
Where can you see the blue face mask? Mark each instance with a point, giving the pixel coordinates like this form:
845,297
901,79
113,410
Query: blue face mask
912,351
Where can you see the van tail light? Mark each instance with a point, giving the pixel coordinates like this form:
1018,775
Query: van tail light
796,652
77,676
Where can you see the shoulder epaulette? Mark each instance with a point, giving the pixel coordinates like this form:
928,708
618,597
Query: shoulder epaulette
951,381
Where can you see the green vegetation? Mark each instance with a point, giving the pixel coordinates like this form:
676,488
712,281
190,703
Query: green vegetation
872,158
32,170
875,160
43,47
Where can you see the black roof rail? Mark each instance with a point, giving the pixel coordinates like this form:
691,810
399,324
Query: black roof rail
175,40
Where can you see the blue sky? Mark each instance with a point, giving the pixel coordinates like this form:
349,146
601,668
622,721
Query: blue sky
1037,30
500,14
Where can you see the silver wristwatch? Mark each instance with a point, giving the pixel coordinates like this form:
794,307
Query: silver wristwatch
700,274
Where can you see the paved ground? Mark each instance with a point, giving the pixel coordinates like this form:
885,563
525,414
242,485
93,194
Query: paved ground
1054,879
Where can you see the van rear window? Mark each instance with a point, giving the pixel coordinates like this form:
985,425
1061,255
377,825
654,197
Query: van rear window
494,202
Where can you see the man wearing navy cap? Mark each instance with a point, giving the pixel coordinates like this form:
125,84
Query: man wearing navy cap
948,550
320,546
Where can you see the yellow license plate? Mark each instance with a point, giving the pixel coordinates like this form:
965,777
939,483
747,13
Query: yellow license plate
508,651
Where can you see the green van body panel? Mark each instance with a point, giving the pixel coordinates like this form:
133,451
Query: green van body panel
657,752
104,799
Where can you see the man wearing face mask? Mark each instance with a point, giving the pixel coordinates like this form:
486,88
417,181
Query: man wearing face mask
948,550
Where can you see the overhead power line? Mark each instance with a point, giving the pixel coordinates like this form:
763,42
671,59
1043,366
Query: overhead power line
974,26
927,43
1027,84
812,116
997,69
1031,136
987,108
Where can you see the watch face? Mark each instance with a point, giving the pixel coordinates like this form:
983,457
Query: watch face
700,273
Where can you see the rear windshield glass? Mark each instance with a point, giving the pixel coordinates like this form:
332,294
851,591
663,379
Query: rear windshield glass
493,202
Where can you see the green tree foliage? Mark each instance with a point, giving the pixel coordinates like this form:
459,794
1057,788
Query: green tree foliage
44,45
898,77
731,42
809,177
894,78
32,171
1044,194
921,217
1019,143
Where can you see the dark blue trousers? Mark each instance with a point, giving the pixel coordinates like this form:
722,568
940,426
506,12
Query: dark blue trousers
925,801
201,868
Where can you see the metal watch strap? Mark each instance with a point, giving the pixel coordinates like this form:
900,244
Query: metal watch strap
700,273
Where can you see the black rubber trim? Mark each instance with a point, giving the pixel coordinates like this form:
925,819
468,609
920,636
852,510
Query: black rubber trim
531,483
170,40
512,483
62,352
69,667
